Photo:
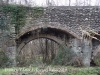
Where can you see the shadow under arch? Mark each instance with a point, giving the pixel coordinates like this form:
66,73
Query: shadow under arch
58,41
43,31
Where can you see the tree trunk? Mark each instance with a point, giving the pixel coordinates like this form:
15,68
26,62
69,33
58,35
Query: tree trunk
1,2
69,2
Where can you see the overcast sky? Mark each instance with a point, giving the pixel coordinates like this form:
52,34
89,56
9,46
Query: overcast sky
60,2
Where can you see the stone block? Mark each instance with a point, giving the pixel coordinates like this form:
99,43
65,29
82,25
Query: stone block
11,43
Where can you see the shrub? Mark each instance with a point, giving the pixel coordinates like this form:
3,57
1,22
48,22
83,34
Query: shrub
97,59
64,56
3,59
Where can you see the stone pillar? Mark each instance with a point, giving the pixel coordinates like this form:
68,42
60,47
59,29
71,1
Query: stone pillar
76,47
87,49
12,55
11,48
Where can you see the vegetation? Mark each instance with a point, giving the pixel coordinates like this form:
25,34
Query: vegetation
39,51
53,2
3,59
17,15
37,12
45,52
97,59
64,56
50,70
14,15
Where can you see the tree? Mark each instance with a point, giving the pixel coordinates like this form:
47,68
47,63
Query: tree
4,2
76,2
89,2
7,1
69,2
50,3
1,2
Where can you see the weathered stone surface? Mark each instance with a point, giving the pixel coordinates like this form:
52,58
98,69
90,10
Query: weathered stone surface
76,47
63,22
11,43
12,55
69,19
87,51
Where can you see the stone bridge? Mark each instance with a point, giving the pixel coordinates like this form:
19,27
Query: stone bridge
60,24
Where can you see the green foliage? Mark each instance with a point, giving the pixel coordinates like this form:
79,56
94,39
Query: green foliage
3,22
84,71
3,59
37,12
27,61
64,56
50,71
18,14
96,59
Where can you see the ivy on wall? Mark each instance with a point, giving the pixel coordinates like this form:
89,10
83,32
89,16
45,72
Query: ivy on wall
3,19
18,14
37,12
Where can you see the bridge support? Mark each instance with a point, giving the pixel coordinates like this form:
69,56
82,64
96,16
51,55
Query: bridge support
12,56
76,47
11,48
87,49
82,49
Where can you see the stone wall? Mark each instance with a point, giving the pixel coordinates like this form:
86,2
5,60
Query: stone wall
69,17
7,37
64,18
73,17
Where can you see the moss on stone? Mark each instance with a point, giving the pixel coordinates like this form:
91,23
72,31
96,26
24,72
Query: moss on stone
18,14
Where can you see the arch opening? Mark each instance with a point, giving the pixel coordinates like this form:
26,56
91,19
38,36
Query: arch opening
44,51
38,51
61,38
56,35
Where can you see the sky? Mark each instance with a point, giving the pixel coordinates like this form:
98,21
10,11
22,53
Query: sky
59,2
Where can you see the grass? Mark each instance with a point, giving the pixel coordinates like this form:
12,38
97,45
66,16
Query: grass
4,71
50,70
7,71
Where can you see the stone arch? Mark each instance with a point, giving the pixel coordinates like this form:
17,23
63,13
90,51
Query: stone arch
64,29
54,33
58,41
